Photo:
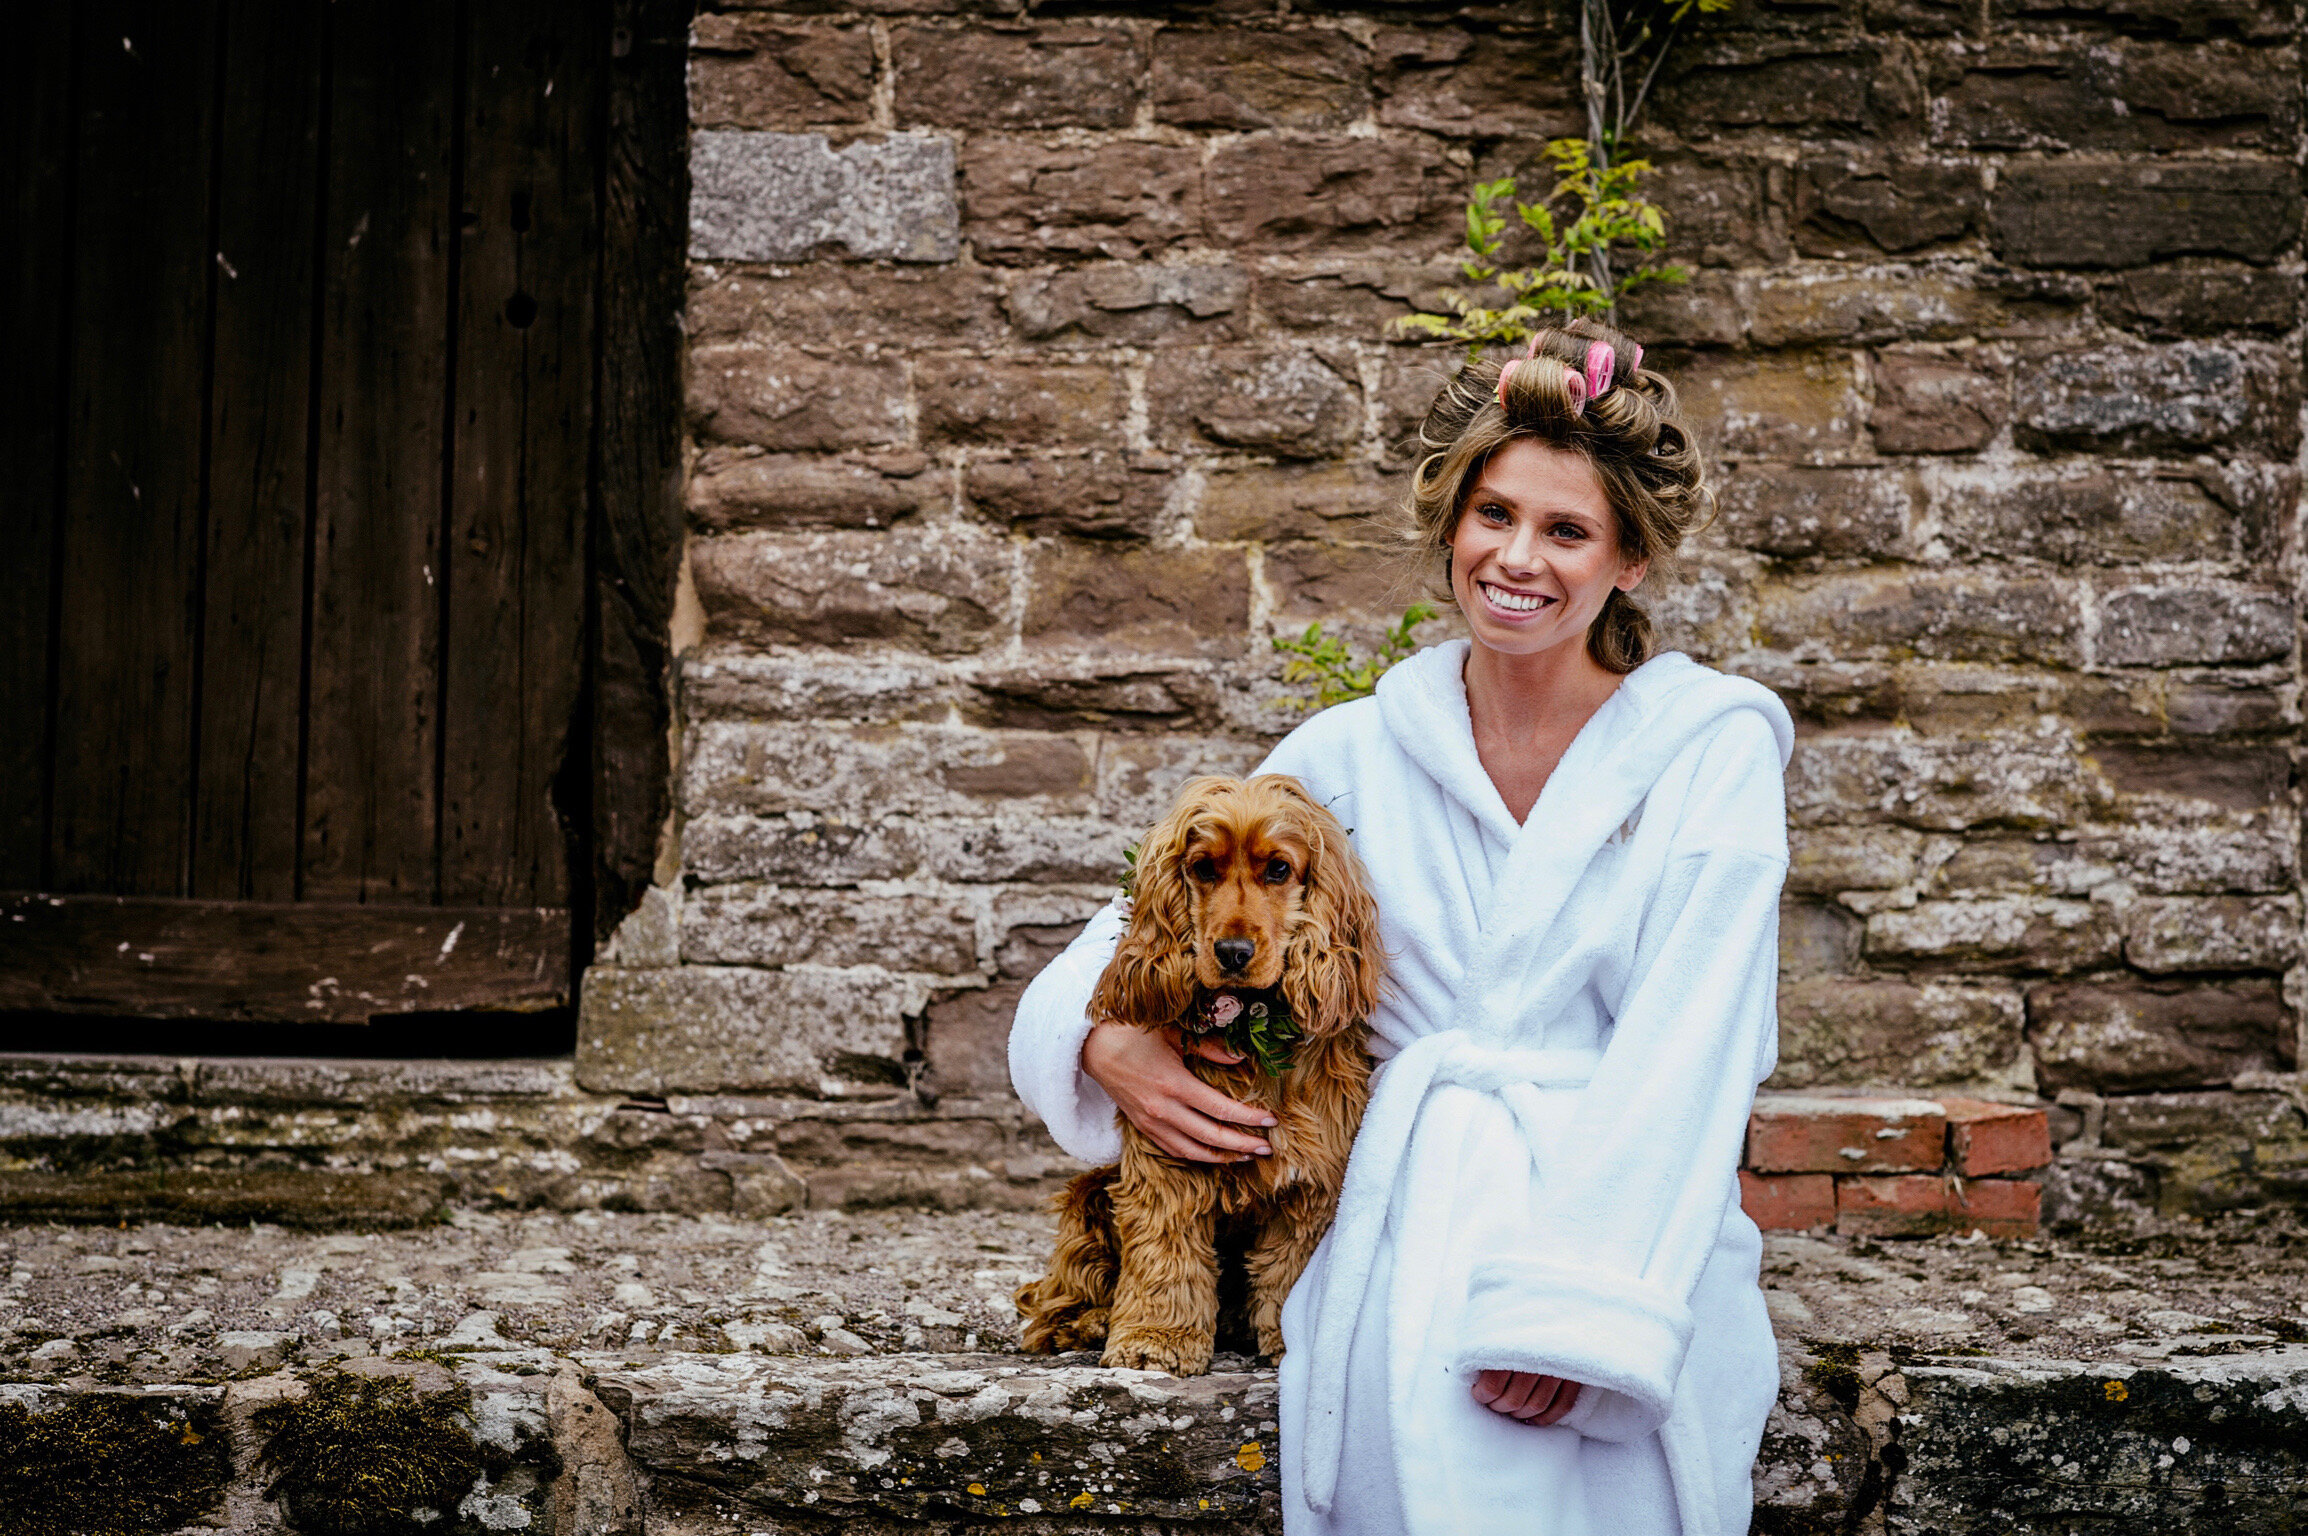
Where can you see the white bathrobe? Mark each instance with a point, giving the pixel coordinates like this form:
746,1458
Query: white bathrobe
1580,1007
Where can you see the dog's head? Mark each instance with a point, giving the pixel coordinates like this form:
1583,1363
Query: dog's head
1248,885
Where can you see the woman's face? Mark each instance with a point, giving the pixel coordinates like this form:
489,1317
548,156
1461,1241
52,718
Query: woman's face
1536,552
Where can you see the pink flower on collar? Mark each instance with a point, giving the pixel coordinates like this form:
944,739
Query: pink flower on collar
1224,1008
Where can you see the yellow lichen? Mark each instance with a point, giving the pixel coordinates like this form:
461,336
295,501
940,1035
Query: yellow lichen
976,1490
2116,1391
1081,1501
1250,1458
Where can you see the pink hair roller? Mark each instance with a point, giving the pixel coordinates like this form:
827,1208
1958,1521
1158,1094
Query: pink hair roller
1600,359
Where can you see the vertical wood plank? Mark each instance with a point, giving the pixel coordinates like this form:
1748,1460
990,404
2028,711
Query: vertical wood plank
245,816
529,261
388,252
127,600
638,529
35,202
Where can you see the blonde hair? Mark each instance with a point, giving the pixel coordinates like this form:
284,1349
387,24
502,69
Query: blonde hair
1631,432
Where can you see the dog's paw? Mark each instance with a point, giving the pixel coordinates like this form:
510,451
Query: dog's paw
1270,1343
1149,1351
1087,1331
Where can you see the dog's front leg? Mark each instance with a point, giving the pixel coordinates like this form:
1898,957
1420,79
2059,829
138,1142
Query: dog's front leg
1165,1313
1278,1256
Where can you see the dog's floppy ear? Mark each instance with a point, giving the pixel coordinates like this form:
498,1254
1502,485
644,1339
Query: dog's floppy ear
1150,980
1334,965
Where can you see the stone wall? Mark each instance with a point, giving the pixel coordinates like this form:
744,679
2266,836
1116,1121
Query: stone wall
1039,377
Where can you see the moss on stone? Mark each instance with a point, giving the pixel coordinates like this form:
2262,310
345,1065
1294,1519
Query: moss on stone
1835,1371
108,1465
370,1456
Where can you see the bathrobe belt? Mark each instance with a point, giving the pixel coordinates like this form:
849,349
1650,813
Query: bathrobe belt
1453,1057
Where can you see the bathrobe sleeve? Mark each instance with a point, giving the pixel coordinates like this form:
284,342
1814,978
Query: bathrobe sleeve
1631,1204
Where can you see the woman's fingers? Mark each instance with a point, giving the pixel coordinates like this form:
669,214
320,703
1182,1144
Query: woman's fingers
1179,1112
1566,1398
1211,1048
1526,1397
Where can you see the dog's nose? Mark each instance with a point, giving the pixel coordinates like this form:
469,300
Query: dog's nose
1233,954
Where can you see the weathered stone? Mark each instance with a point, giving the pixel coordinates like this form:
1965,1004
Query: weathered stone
1772,406
2172,624
1286,401
969,1031
2201,298
1162,601
1844,1029
1725,212
1049,77
1708,311
1133,302
1816,938
798,850
1811,308
2216,933
753,72
1828,861
1233,78
1793,90
1933,405
1850,209
841,308
942,594
1139,776
650,934
766,925
972,400
1329,501
2116,94
1957,616
791,196
882,770
1302,194
1098,497
1360,297
1027,201
2127,1037
2079,514
2187,395
789,401
2009,934
1064,691
734,490
598,1492
1448,81
1339,584
822,686
2223,707
1842,514
2125,214
721,1028
1408,382
1939,785
2213,1151
2230,776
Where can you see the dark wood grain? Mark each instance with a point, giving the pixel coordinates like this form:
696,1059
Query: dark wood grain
311,962
637,527
245,839
388,250
35,288
128,592
524,387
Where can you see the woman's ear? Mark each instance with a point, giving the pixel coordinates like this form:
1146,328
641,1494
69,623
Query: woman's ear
1150,980
1631,575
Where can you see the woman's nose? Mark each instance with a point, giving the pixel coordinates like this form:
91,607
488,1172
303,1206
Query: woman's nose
1522,551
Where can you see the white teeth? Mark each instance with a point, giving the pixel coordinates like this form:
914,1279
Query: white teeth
1514,602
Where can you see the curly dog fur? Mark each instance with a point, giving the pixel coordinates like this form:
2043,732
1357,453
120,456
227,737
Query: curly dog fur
1244,886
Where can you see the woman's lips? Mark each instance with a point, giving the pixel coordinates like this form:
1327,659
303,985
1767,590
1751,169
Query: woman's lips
1511,605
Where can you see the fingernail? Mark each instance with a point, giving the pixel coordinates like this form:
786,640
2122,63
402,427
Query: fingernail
1263,1150
1268,1121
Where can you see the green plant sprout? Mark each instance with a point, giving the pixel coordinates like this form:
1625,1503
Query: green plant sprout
1337,673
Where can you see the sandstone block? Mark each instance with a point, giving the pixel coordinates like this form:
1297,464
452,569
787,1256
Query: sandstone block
1321,501
2187,395
1939,785
1357,296
1163,601
1920,1204
1048,77
730,490
1724,212
1139,776
943,595
1950,616
833,306
2016,933
2079,514
2233,776
1774,405
2216,1151
1068,691
1708,311
2130,1037
2220,707
1285,401
752,924
1824,861
1338,584
1448,81
1930,405
2116,94
821,851
789,401
1814,308
1027,201
717,1029
818,685
1301,194
1795,90
861,772
2202,298
758,196
1816,938
969,1031
1840,1029
1985,1138
2062,213
1099,497
1139,302
754,72
1792,510
971,400
2173,625
1240,79
1792,1133
1849,209
2212,933
1787,1202
2253,852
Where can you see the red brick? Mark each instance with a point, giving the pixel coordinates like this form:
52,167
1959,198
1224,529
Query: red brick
1893,1205
1787,1202
1998,1207
1801,1134
1985,1138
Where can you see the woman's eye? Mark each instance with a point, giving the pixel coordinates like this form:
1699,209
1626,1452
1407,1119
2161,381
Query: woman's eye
1569,531
1277,872
1203,870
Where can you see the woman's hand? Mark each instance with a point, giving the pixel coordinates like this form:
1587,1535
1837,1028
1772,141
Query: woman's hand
1177,1111
1521,1395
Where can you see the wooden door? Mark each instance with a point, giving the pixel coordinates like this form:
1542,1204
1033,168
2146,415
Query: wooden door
298,448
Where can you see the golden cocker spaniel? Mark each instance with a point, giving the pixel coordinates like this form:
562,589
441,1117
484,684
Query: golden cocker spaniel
1252,916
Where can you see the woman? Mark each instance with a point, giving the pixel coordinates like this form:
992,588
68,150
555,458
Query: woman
1538,1310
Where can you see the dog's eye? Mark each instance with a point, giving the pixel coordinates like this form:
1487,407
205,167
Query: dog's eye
1204,870
1277,871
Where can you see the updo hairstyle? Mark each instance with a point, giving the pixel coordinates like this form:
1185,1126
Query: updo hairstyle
1630,431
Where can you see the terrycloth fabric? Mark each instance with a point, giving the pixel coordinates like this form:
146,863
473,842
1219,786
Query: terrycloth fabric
1580,1008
